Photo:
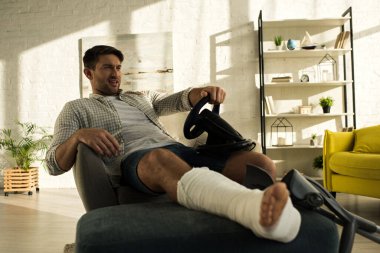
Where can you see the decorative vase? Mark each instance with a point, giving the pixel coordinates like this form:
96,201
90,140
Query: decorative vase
291,45
313,142
326,109
318,172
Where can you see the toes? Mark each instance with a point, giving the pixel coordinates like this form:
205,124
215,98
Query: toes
273,202
266,214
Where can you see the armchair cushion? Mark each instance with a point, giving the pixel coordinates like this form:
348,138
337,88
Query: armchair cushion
168,227
367,140
354,165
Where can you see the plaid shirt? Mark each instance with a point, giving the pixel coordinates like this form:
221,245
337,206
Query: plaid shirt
99,112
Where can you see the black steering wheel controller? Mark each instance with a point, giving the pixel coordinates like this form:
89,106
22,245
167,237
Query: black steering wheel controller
222,137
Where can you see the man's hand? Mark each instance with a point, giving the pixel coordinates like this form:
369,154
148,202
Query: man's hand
217,95
100,140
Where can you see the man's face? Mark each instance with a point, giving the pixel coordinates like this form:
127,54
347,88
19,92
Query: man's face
106,78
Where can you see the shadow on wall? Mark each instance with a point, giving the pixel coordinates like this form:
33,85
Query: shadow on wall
31,25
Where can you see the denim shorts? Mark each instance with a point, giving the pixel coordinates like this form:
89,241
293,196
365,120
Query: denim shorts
188,154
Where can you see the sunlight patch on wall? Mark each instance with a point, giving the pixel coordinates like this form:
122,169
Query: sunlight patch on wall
157,23
3,87
50,70
3,84
2,73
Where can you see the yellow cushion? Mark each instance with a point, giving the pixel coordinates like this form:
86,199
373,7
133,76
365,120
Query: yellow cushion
354,185
367,140
356,165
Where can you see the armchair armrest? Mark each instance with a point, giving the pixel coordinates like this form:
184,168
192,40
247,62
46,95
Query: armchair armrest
334,142
93,184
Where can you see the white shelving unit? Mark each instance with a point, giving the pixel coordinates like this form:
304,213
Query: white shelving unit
332,22
305,53
295,92
295,115
308,84
296,147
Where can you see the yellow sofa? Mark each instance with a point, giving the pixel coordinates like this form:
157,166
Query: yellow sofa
351,161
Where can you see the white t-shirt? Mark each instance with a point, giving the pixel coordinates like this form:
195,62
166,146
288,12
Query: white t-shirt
138,131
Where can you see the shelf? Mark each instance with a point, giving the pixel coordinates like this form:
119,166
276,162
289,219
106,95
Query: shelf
333,22
290,94
296,147
300,53
296,115
307,84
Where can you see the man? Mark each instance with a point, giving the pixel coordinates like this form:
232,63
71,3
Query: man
124,129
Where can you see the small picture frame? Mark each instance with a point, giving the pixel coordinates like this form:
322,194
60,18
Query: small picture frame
305,109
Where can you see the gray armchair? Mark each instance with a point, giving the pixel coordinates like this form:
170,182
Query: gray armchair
94,185
116,221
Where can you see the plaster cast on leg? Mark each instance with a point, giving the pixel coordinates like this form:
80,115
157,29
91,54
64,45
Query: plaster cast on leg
205,190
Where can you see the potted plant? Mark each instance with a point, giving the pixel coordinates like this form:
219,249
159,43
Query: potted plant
318,164
25,146
313,139
326,103
278,42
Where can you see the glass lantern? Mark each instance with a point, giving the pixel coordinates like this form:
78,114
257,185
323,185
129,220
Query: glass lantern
327,69
281,133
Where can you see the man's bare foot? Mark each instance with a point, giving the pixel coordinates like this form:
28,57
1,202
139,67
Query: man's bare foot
272,204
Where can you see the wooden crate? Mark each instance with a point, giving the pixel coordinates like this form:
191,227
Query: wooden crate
19,180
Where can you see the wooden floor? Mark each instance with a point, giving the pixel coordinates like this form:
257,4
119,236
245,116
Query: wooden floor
41,223
45,222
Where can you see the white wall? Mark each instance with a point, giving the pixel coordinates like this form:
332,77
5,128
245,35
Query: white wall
214,41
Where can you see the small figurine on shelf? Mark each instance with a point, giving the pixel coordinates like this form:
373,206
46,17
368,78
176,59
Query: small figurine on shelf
307,42
278,42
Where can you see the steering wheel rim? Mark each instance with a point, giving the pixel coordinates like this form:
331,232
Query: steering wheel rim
192,128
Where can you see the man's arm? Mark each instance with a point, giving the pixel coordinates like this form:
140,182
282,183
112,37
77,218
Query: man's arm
68,133
166,104
65,153
100,140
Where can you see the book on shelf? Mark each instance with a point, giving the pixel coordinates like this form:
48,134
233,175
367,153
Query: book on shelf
337,41
267,107
341,40
281,79
345,39
270,105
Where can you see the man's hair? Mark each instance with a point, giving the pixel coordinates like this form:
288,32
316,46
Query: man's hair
91,56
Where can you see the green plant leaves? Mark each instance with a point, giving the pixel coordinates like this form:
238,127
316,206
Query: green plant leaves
26,145
326,101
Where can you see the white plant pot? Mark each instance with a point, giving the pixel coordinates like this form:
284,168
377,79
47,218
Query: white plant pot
317,172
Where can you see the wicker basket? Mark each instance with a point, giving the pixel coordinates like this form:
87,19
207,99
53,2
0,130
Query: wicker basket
19,180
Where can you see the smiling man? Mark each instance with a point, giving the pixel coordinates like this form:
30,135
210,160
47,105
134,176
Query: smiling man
124,129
